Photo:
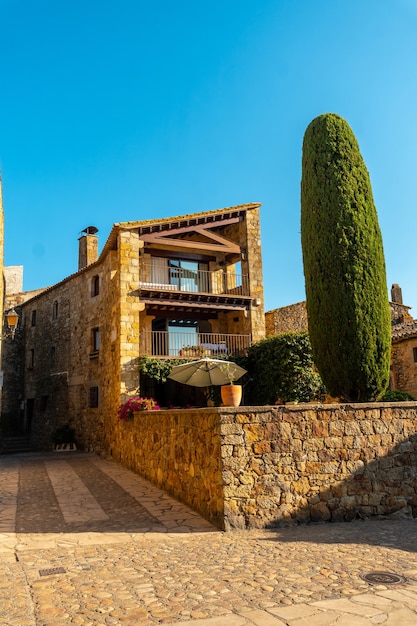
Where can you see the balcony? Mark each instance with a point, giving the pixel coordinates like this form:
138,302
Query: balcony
222,282
173,344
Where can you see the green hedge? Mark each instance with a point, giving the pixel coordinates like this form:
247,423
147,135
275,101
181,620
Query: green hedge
281,369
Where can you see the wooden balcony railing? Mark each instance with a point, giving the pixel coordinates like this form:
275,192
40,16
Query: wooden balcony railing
220,282
192,345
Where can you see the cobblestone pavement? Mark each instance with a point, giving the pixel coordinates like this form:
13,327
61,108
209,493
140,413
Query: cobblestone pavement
84,541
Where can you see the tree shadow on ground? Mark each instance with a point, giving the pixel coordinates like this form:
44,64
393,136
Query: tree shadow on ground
376,505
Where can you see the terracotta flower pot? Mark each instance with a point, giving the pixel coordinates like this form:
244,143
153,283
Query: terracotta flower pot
231,394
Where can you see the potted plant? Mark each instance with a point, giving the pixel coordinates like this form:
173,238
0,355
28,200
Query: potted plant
231,394
193,351
63,438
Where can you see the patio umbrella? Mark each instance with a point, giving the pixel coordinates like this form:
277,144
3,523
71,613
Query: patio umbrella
206,372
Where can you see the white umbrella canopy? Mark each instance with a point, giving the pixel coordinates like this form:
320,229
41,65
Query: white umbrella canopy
206,372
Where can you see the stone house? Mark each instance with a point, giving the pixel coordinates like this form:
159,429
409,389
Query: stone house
404,357
176,287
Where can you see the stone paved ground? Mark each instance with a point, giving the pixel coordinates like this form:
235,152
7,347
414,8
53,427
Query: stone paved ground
83,541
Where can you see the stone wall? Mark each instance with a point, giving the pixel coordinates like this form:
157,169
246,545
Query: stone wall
294,317
253,263
254,467
54,365
306,463
287,318
404,365
180,451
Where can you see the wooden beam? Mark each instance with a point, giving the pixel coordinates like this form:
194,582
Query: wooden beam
195,305
196,245
190,225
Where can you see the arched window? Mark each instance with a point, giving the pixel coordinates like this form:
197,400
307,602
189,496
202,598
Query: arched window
55,308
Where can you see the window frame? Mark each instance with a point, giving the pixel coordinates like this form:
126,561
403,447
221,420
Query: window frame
93,397
95,339
95,286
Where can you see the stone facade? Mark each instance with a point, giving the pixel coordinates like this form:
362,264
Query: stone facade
293,318
404,358
75,354
287,319
262,467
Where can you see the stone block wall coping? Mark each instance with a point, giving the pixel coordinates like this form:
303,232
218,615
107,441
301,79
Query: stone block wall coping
295,407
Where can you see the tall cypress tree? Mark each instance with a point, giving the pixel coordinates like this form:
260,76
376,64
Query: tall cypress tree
344,267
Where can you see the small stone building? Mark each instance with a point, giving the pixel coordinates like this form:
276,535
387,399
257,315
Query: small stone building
404,357
168,288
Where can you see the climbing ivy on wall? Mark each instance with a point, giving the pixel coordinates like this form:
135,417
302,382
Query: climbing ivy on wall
159,369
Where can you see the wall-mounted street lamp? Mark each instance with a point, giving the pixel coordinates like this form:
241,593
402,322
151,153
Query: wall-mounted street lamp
12,319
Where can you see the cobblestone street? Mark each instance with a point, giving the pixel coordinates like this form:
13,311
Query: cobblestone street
84,541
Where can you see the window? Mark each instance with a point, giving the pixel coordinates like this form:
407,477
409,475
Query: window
93,397
415,355
188,275
95,340
33,318
52,355
43,403
55,308
31,363
95,286
179,274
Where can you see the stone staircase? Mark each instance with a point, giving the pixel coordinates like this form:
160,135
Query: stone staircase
15,444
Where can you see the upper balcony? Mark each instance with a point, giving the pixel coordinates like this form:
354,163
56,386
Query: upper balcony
192,345
185,281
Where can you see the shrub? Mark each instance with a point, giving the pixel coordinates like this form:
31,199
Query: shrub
281,369
158,369
396,396
347,301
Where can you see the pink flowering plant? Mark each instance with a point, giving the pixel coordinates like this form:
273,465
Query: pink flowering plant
131,405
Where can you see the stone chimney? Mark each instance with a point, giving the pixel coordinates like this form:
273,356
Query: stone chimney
87,247
396,294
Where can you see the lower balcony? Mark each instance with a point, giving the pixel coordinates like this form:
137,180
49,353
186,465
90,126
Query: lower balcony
193,345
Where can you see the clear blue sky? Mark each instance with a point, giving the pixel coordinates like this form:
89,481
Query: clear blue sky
137,110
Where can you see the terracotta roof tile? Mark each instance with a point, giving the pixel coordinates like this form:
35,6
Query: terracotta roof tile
405,330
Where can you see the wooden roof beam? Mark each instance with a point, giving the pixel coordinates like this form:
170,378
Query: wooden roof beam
196,245
194,305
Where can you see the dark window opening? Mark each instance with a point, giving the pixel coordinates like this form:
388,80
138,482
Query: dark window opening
43,403
93,398
415,355
33,318
95,341
55,307
95,286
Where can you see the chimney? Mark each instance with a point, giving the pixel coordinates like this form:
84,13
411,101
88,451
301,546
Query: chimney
396,294
87,247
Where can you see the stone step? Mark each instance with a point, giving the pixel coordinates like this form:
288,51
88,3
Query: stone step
15,444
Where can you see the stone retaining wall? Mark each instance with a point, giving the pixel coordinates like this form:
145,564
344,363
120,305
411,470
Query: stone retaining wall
180,452
255,467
